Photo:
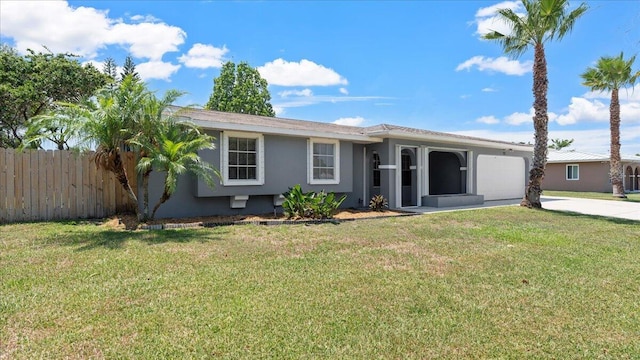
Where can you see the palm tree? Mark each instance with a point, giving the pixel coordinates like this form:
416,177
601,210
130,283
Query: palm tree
111,125
610,74
175,153
149,130
545,20
559,144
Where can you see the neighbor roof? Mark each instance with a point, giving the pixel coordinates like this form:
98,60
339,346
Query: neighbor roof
217,120
580,156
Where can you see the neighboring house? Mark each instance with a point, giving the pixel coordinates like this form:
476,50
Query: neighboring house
259,158
581,171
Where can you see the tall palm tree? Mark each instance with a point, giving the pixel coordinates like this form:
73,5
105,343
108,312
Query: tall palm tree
176,152
545,20
611,74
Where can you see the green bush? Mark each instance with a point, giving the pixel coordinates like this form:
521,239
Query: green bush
322,205
378,203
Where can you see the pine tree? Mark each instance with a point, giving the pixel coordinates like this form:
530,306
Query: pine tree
129,68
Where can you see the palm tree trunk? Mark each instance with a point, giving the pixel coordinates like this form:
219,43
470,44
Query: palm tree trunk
121,176
540,124
145,195
616,164
165,196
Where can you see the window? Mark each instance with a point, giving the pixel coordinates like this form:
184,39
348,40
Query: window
324,162
573,172
376,169
242,159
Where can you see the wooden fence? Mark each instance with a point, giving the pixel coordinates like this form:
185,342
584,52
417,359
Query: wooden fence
38,185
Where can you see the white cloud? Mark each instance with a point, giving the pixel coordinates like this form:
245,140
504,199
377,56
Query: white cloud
583,109
300,101
465,96
146,40
303,73
501,64
279,110
304,92
490,120
83,30
350,121
156,70
592,140
344,91
488,89
144,18
487,21
203,56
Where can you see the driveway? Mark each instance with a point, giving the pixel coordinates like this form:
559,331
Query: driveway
610,208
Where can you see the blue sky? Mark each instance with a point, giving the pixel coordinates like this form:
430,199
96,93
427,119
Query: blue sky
413,63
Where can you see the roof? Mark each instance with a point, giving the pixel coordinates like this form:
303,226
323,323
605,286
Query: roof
402,132
209,119
217,120
580,156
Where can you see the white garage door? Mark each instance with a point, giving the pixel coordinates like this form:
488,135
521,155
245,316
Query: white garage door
500,177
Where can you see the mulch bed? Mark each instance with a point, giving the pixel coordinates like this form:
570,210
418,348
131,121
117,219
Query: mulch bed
130,222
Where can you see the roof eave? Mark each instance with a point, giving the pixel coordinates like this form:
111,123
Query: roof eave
451,140
224,126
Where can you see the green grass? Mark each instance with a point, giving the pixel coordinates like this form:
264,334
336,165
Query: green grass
634,197
492,283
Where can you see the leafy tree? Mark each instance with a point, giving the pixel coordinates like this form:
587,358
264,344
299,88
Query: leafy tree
30,85
129,69
544,21
242,90
559,144
59,126
611,74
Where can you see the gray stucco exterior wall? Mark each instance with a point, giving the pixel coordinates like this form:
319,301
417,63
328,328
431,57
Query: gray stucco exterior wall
285,165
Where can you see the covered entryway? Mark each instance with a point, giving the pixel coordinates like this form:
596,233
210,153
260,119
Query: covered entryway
500,177
447,174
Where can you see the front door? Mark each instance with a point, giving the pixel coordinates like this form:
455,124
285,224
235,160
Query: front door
408,177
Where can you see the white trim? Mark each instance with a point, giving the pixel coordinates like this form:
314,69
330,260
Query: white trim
336,162
418,176
365,201
224,158
398,177
470,184
387,167
566,172
425,156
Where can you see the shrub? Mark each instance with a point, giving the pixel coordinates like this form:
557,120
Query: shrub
378,203
322,205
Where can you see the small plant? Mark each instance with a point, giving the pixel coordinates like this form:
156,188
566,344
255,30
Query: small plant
378,203
298,204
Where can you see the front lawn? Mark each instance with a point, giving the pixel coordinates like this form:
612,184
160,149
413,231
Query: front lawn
492,283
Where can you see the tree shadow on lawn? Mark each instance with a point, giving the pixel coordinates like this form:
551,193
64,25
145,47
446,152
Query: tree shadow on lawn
614,220
115,239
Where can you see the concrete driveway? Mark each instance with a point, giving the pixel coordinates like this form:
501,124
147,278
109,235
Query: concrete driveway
610,208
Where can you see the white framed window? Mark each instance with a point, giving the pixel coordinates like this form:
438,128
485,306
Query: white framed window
573,172
242,158
324,161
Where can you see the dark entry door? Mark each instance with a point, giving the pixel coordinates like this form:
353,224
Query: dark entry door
407,178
